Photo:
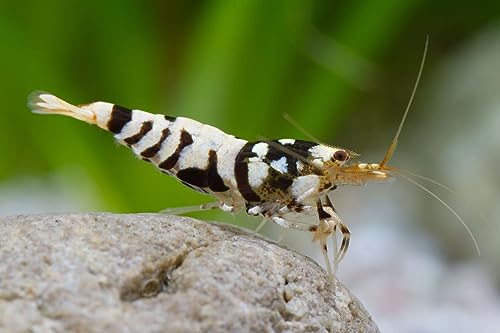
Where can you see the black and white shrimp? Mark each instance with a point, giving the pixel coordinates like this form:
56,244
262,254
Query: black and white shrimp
270,178
276,179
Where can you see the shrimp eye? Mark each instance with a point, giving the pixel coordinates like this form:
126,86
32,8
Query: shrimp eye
340,155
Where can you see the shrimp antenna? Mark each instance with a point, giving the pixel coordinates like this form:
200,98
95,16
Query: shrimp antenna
430,180
451,210
295,124
394,142
311,137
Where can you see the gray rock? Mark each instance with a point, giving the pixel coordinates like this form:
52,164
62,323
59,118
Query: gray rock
157,273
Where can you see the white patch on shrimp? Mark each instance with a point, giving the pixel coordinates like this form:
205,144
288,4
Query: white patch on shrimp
280,165
287,141
257,173
260,149
322,152
305,186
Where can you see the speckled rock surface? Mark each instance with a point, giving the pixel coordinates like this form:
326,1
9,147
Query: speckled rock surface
156,273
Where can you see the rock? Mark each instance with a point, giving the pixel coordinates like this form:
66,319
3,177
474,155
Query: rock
105,272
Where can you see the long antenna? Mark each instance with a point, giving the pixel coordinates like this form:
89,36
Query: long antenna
427,179
442,202
295,124
394,142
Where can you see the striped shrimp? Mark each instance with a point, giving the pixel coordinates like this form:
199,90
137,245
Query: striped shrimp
270,178
275,179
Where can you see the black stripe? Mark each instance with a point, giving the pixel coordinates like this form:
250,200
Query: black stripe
215,181
170,118
119,117
204,178
302,147
274,153
154,149
193,176
241,172
185,140
299,147
145,128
